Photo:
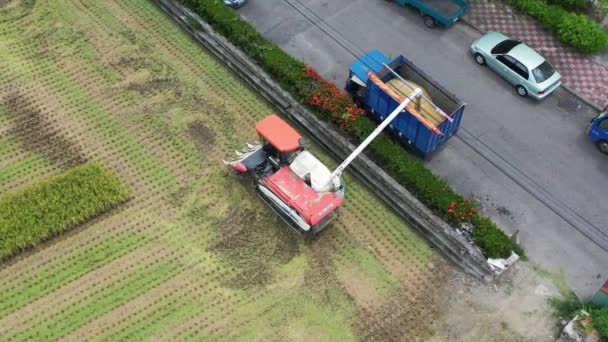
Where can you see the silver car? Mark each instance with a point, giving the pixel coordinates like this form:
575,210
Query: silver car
524,68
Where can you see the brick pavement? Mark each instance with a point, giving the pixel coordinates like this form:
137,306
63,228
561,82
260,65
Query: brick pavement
579,72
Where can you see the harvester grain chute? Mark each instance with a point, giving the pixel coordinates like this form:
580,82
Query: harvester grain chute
291,180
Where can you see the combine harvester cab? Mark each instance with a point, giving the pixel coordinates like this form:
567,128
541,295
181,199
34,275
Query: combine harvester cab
290,179
379,85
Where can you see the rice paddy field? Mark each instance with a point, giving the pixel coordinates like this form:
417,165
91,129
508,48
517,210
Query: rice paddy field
193,253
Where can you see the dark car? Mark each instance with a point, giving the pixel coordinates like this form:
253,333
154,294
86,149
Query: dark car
235,3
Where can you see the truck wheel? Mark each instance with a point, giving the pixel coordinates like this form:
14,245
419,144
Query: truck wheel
602,145
521,91
429,21
480,59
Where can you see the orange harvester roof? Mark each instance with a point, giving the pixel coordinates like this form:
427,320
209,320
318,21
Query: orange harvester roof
278,133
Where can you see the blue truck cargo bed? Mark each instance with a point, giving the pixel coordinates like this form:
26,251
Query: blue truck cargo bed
407,127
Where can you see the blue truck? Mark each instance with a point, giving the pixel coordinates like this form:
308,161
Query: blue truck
379,85
598,131
438,12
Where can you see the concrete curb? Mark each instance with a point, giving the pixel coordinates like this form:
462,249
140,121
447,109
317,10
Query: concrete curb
435,230
565,87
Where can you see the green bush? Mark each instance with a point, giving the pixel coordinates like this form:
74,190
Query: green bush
582,33
566,306
600,321
578,31
493,241
406,168
33,215
551,17
531,7
572,5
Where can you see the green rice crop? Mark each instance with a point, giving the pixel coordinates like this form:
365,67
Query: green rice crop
62,272
33,215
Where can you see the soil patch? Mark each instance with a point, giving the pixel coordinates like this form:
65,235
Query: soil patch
408,311
37,133
321,277
133,38
203,136
153,86
515,309
360,289
177,198
253,243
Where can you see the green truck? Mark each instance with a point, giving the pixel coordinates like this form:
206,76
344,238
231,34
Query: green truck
438,12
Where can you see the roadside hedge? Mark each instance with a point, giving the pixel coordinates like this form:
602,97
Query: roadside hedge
35,214
576,30
583,33
298,79
573,5
600,321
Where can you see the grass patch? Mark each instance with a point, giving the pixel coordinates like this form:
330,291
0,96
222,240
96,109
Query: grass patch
35,214
566,306
558,279
157,321
372,271
97,304
61,273
299,317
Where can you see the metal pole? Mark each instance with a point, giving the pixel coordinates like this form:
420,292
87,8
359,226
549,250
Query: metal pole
338,172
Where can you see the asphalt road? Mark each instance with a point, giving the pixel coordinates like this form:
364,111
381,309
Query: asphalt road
529,163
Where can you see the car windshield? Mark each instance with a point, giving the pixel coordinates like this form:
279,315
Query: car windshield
504,47
543,72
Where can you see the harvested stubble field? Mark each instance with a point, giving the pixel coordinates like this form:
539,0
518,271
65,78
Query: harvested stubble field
193,253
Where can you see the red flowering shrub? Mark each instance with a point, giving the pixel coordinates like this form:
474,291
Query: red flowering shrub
459,212
326,99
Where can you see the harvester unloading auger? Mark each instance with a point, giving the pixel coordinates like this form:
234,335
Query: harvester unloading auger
291,180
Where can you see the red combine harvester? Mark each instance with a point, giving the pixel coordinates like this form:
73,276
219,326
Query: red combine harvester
292,181
289,178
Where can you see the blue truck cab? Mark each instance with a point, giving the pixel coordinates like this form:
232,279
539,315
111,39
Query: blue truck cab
438,12
422,128
598,131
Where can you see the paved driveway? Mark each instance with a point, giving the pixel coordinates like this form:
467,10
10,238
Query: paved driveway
529,163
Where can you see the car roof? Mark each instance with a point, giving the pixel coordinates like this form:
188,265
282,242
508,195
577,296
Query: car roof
527,56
